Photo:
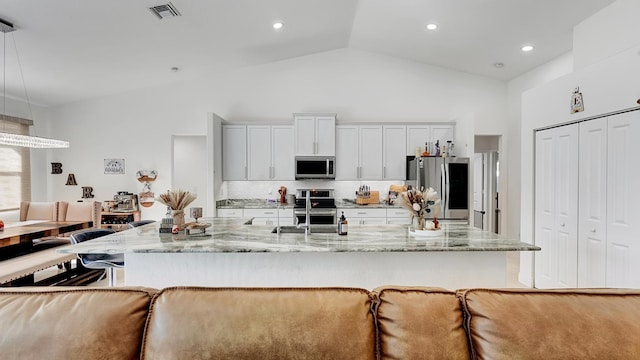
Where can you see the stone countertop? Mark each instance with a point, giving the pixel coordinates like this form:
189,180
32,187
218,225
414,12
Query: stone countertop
264,204
249,204
231,235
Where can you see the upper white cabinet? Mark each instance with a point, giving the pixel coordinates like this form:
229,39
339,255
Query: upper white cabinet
257,152
282,158
359,152
234,152
394,140
315,135
418,135
556,207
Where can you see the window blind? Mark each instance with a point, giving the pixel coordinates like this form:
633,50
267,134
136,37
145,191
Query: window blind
15,166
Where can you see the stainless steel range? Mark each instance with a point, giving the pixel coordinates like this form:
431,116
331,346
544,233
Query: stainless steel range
322,208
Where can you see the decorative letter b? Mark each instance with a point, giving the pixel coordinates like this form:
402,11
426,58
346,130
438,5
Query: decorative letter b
56,168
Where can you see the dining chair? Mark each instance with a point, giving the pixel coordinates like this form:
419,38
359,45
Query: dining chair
109,262
70,211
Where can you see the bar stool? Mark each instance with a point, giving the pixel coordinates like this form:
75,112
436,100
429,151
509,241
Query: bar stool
108,262
134,224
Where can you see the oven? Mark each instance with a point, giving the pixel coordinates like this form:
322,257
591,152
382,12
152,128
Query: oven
323,207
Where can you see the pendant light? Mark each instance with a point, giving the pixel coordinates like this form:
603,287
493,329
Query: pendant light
11,139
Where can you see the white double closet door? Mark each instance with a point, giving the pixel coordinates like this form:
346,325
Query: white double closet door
587,219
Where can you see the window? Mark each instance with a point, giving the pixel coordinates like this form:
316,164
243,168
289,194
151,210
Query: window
15,166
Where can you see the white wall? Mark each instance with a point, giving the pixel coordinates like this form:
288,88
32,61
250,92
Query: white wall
190,168
548,72
611,31
358,86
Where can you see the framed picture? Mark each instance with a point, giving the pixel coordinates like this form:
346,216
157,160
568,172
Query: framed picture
114,166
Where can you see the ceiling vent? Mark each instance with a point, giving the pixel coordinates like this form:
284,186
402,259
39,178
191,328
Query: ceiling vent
165,11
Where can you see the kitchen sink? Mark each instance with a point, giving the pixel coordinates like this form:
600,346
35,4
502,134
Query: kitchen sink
317,229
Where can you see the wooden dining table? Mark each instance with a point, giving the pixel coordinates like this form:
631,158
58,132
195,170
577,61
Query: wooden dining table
24,232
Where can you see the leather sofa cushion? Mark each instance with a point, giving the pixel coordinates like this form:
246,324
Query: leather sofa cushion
420,323
72,323
553,324
255,323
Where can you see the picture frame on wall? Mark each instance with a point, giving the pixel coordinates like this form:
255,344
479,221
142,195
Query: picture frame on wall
114,166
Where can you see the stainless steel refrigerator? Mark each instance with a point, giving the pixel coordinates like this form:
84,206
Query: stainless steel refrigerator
449,177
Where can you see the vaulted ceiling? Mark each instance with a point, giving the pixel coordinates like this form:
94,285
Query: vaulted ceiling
71,50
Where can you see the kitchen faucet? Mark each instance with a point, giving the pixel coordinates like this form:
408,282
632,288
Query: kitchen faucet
307,224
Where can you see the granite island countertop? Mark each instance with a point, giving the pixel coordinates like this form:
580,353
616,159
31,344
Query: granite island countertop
232,235
265,204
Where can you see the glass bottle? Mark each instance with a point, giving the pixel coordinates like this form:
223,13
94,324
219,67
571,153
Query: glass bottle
342,225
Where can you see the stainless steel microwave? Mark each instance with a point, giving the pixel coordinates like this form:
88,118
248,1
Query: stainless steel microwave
315,167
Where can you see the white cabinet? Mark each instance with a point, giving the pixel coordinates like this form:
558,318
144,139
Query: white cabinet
315,135
232,213
270,216
270,152
623,199
394,140
234,152
347,152
257,152
418,135
592,187
358,152
556,207
282,158
398,216
591,178
360,216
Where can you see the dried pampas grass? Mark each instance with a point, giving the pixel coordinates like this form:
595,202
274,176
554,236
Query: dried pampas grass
177,200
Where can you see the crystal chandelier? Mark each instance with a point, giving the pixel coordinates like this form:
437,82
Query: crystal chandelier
11,139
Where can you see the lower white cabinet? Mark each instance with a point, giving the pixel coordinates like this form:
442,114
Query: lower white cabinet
270,216
398,216
232,213
360,216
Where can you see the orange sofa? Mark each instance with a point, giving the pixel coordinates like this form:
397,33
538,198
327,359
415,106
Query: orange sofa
318,323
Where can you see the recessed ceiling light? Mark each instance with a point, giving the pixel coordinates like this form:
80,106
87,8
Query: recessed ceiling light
175,69
432,26
498,65
278,25
527,48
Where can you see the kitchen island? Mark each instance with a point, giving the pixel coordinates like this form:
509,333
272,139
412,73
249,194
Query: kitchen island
233,254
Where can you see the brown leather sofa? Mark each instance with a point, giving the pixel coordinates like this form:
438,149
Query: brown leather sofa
318,323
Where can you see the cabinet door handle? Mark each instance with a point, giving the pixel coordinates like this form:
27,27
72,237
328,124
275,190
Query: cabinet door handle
562,225
384,172
246,173
593,230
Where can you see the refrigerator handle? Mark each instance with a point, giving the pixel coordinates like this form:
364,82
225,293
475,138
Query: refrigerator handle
444,185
